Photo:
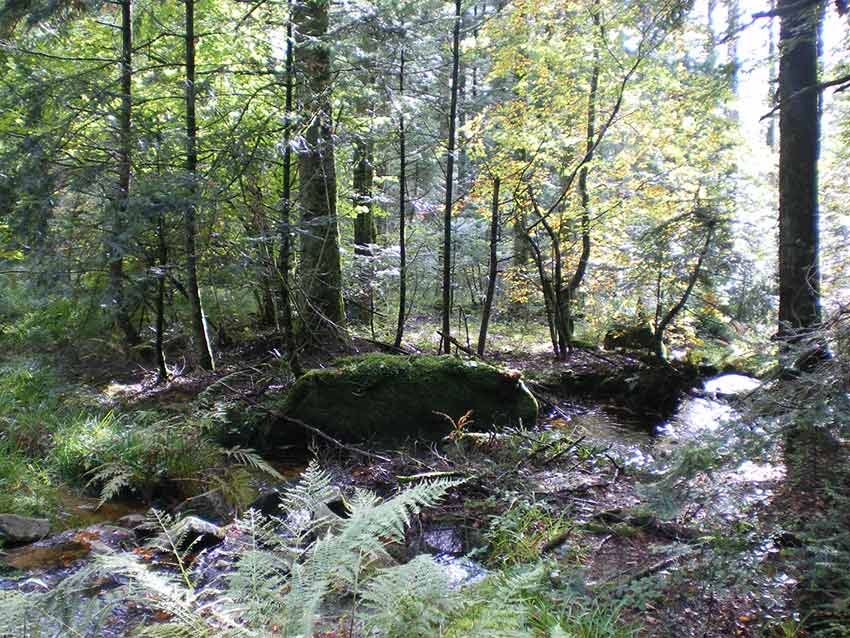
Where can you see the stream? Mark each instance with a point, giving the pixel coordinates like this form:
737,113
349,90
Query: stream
40,566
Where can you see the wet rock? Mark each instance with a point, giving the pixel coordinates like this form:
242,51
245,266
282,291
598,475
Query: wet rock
191,532
16,529
132,521
443,540
268,503
391,397
210,506
50,557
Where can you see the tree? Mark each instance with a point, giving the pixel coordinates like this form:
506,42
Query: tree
799,140
449,201
198,319
402,209
322,312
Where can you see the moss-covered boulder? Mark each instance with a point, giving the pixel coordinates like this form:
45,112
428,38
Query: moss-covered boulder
391,397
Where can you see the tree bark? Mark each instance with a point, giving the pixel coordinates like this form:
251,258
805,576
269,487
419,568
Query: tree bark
770,137
584,258
285,254
199,322
323,316
799,139
362,183
118,238
450,162
402,211
159,350
492,272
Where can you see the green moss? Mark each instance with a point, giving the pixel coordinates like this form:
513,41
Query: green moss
390,396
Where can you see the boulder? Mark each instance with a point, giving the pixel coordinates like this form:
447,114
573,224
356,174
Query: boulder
629,337
190,533
390,397
16,529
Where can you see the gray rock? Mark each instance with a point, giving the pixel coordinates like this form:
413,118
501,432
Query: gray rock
191,532
131,521
22,529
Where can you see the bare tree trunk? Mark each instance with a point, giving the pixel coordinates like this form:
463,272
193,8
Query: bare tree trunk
692,280
712,6
732,28
323,315
770,137
159,350
285,255
584,258
118,240
548,292
799,139
402,206
362,183
450,162
492,272
199,321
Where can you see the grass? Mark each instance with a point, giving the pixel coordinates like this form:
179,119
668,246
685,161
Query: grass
53,434
520,534
26,486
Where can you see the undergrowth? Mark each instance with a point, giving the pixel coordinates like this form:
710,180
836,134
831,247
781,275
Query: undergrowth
308,570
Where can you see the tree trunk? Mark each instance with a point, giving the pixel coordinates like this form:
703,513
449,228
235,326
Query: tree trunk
285,259
661,325
492,270
712,5
323,316
732,28
770,137
584,258
450,162
199,322
120,208
402,206
159,350
362,182
548,293
799,133
521,249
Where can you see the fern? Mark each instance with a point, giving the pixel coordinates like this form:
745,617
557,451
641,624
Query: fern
249,458
414,600
287,571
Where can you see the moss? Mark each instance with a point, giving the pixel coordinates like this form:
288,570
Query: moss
391,397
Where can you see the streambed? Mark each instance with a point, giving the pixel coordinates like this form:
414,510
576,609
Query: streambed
41,566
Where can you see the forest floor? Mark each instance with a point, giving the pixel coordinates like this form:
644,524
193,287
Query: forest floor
582,490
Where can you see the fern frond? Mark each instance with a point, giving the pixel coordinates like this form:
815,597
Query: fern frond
250,458
413,600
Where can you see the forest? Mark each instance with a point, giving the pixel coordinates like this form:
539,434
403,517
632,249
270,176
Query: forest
425,318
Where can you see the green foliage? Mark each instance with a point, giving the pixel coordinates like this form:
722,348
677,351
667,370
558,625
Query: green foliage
519,535
25,485
413,600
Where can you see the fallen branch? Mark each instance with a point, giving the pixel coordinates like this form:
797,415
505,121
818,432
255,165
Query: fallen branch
428,475
457,344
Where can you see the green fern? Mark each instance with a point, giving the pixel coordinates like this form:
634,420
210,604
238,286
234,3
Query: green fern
410,601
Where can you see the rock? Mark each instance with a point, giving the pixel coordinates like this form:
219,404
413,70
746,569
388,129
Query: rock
210,505
629,337
389,397
58,555
191,532
131,521
16,529
268,503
